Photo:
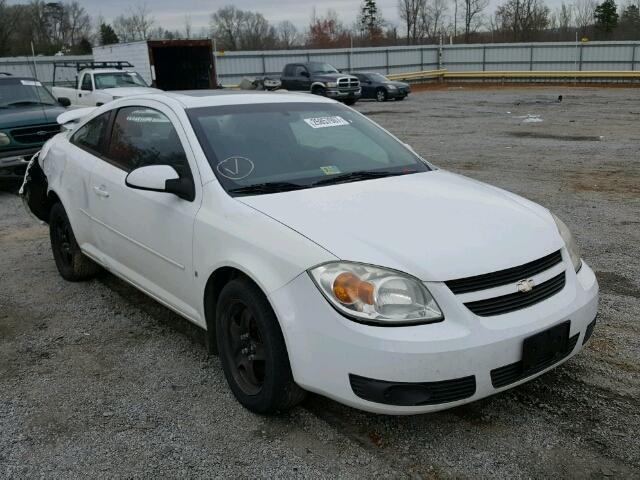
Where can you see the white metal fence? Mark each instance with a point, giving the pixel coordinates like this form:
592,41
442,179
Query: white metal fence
566,56
232,66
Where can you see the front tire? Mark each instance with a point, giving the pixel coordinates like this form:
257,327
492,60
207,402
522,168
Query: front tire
381,95
319,91
72,264
252,350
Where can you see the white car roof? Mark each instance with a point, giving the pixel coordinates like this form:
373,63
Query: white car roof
211,98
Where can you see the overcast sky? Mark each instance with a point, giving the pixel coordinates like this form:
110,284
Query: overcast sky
171,13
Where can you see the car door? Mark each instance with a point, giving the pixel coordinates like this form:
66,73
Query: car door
368,90
302,78
85,95
147,237
79,156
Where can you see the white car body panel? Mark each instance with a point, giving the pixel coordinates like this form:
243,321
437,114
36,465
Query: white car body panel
466,220
435,226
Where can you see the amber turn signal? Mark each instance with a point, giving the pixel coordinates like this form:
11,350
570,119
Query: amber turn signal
348,288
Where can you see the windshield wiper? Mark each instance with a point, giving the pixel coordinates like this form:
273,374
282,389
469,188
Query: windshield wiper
25,102
356,176
271,187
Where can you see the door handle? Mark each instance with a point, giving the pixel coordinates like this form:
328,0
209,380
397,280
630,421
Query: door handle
101,192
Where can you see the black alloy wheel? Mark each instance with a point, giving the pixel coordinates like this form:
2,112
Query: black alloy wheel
244,348
252,349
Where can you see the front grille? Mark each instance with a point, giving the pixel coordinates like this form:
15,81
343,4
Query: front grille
413,394
31,135
516,301
348,83
514,372
504,277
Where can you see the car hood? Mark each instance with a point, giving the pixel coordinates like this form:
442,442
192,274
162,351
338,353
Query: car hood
434,225
329,77
129,91
397,84
26,116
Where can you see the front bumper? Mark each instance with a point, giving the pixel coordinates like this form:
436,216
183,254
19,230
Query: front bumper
343,95
13,164
398,93
331,355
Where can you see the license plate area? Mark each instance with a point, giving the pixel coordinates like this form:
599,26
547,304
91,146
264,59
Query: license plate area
546,346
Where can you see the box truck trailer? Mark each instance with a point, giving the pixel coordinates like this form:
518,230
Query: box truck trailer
166,64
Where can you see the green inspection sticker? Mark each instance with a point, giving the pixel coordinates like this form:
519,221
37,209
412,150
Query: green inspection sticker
330,170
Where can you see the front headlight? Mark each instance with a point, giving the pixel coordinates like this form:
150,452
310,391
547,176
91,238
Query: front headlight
375,295
569,241
332,84
391,87
4,139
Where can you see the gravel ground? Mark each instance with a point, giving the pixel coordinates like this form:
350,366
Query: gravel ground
97,380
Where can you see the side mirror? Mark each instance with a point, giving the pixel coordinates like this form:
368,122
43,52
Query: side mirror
163,179
64,101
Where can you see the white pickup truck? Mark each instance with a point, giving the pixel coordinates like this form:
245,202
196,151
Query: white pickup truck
96,87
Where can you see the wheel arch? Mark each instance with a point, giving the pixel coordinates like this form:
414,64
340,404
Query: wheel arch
318,85
216,281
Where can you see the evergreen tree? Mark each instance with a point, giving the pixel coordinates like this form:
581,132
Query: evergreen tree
108,35
606,15
370,19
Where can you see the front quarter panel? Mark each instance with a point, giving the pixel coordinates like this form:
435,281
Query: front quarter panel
228,233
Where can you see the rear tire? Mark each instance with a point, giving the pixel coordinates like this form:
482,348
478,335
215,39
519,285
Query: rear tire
252,350
72,264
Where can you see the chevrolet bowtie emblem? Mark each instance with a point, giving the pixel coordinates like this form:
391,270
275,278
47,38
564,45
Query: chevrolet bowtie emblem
525,286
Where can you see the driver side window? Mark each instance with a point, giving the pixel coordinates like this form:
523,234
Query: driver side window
86,83
300,71
143,136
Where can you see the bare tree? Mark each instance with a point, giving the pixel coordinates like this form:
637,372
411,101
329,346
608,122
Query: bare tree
226,26
256,33
287,33
78,23
188,27
142,21
522,20
409,11
565,16
7,26
472,16
583,13
432,13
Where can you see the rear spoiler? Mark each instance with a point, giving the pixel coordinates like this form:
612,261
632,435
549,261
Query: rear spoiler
70,118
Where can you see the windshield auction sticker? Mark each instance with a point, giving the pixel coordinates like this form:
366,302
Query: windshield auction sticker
31,83
324,122
330,170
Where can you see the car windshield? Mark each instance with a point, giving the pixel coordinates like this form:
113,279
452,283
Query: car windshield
265,148
18,92
322,68
119,79
376,77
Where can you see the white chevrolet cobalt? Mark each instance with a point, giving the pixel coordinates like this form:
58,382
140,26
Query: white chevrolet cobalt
319,252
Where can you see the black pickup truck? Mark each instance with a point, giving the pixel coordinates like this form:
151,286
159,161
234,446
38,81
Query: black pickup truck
321,79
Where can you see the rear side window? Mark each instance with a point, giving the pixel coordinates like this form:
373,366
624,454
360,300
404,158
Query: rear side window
143,136
300,71
89,137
